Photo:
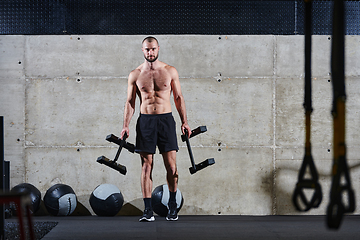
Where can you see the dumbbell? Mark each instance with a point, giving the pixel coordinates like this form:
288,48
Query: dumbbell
122,144
196,167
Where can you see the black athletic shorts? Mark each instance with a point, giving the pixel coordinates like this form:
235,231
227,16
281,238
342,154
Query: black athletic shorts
156,130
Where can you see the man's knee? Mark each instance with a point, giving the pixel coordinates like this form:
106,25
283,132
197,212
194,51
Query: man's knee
172,171
147,162
147,167
146,158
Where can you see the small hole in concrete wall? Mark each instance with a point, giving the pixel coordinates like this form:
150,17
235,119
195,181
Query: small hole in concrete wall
78,73
19,62
78,80
219,212
79,38
219,38
219,149
18,139
328,150
219,80
78,150
329,38
329,80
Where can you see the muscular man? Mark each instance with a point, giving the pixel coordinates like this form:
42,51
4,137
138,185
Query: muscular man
153,81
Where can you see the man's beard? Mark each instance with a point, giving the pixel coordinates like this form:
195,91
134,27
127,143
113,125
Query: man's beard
151,60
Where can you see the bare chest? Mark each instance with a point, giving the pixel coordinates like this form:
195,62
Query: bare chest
149,81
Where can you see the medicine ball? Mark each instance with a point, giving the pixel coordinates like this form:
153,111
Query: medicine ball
60,200
160,199
106,200
34,193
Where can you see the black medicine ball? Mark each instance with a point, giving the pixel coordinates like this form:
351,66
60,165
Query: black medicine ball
35,194
106,200
160,199
60,200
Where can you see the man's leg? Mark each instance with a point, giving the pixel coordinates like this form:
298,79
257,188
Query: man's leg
146,174
172,180
146,184
171,170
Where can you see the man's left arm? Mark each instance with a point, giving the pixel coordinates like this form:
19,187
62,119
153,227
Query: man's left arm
179,100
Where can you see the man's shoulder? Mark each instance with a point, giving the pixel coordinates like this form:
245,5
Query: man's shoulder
135,72
134,75
172,71
169,68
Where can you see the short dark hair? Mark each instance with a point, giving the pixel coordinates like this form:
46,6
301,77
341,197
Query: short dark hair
150,39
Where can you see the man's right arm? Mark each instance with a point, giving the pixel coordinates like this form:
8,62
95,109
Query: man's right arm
130,103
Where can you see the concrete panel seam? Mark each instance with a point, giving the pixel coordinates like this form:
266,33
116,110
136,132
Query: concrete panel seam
75,77
274,206
23,63
228,77
115,147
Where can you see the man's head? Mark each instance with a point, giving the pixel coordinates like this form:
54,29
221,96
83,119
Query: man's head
150,48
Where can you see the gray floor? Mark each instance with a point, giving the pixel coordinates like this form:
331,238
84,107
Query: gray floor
201,227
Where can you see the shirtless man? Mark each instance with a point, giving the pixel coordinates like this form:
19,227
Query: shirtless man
153,81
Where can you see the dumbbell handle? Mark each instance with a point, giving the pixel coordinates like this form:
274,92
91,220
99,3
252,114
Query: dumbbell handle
189,150
122,143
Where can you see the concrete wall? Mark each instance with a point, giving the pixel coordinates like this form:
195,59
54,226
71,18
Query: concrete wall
61,96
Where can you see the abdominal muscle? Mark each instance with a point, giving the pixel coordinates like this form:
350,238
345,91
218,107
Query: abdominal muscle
155,103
